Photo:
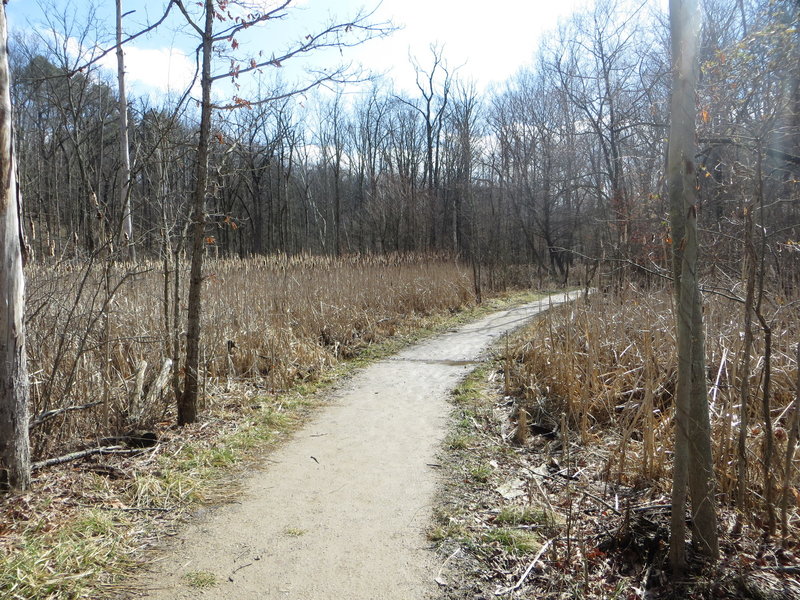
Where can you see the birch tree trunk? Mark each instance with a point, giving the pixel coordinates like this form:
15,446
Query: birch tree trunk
124,152
14,446
693,468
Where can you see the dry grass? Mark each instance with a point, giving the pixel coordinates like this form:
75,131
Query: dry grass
86,524
609,366
273,322
592,385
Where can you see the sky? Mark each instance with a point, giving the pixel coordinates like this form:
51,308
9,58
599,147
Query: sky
486,41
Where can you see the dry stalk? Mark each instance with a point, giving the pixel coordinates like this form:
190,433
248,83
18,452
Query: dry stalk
613,361
273,320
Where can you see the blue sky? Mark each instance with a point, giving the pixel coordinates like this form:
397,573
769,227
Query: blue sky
487,41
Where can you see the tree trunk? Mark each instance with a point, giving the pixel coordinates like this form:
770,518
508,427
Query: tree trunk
187,405
124,153
693,466
744,367
14,445
702,485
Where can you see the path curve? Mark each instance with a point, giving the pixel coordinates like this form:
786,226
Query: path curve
341,511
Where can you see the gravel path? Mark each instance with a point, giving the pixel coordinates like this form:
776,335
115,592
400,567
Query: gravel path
340,512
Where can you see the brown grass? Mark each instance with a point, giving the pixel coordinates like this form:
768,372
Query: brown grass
591,479
272,321
86,524
609,366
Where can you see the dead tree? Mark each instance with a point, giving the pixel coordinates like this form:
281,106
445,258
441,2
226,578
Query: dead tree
14,445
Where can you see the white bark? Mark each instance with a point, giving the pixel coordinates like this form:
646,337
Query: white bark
124,152
14,446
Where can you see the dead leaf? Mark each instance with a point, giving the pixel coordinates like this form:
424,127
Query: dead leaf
512,489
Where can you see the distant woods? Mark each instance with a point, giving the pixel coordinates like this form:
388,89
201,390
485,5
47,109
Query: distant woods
562,164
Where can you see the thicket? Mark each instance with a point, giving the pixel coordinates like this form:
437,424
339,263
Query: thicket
606,368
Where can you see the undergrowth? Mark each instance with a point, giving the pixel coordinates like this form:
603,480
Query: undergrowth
570,431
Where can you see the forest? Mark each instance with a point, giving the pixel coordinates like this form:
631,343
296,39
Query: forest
180,251
562,165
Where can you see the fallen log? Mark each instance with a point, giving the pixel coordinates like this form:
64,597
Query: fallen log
58,460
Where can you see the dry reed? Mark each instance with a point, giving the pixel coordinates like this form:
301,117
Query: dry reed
274,321
608,364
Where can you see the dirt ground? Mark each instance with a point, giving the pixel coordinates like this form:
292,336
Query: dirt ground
340,511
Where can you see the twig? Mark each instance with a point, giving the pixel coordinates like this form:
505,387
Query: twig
545,496
438,579
601,501
45,416
645,579
137,509
237,569
648,507
790,569
516,586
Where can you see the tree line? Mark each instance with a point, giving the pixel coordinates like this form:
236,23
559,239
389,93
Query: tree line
563,162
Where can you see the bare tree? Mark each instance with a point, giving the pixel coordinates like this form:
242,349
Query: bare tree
434,86
124,153
331,136
14,445
334,35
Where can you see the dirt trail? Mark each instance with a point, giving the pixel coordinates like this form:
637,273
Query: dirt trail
340,511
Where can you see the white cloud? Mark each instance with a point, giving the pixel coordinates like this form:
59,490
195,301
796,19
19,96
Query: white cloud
489,42
166,69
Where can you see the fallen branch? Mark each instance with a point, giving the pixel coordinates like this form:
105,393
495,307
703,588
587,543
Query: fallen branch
516,586
58,460
45,416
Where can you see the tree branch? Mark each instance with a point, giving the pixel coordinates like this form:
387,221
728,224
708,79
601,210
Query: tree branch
45,416
315,42
58,460
130,38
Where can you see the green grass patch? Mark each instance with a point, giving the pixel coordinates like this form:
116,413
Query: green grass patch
451,531
515,515
460,441
68,562
480,473
448,525
513,541
471,391
200,579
